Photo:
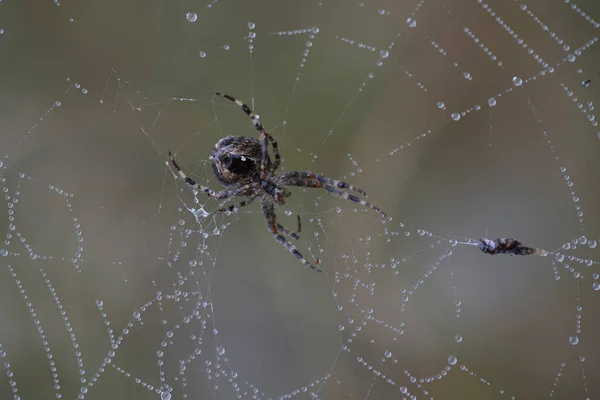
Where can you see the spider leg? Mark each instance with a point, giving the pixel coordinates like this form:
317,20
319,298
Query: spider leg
351,197
194,185
263,137
309,179
294,235
249,200
269,212
340,184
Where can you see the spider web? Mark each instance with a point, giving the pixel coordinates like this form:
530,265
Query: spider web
462,120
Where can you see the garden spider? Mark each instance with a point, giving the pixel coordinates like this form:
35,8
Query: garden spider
242,164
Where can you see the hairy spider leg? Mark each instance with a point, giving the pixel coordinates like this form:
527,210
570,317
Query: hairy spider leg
268,210
264,135
309,179
249,200
224,194
294,235
340,184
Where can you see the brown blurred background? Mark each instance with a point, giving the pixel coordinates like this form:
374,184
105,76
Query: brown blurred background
224,310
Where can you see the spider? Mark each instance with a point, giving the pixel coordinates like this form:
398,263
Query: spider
243,165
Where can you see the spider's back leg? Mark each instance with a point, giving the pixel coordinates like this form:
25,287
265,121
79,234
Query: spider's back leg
269,213
312,180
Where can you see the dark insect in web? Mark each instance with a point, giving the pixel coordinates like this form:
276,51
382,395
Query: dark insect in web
508,246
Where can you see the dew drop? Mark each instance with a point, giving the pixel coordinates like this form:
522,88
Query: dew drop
452,360
455,116
202,54
491,102
517,81
573,340
251,25
384,53
191,16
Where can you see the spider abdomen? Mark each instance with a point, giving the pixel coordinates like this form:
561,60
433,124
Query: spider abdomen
236,160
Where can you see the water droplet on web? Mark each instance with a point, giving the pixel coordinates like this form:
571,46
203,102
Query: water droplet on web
491,102
571,57
166,395
99,303
455,116
220,350
251,25
517,81
458,338
191,16
202,54
573,340
226,47
384,53
596,286
440,104
411,23
452,360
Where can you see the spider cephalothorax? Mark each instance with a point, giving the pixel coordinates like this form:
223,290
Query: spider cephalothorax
244,166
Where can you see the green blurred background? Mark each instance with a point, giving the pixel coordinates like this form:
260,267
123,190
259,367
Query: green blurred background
225,311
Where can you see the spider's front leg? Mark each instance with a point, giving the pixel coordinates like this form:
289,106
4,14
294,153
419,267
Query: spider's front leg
224,194
268,210
265,137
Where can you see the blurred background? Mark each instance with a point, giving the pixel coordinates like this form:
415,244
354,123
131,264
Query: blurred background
461,120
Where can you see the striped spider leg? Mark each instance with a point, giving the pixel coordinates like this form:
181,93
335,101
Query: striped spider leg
264,136
312,180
